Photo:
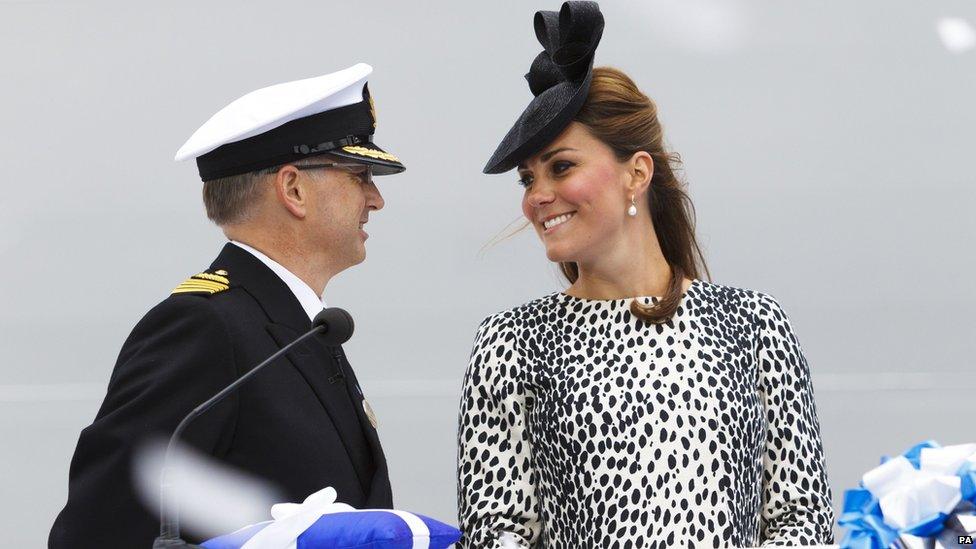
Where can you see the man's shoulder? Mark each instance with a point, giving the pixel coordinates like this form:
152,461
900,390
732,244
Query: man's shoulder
212,289
188,328
209,298
205,284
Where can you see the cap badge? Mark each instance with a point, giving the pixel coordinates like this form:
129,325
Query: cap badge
372,108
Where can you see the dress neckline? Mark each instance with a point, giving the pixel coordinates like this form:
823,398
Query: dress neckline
646,298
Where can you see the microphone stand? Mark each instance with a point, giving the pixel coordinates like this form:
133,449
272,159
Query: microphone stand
169,510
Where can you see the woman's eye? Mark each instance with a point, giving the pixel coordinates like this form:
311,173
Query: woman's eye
561,166
525,180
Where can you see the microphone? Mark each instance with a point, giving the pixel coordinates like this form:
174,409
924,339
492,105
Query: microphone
335,325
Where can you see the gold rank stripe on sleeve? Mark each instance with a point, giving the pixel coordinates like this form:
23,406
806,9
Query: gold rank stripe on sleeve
204,283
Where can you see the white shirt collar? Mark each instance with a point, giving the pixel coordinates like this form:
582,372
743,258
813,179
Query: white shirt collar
311,303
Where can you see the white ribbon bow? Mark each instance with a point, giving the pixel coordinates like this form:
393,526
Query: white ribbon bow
292,519
908,495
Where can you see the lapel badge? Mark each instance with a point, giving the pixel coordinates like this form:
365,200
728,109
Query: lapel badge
369,413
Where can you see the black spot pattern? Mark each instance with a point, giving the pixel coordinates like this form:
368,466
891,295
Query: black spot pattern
582,426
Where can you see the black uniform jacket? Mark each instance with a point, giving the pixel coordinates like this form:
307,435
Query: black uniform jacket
290,424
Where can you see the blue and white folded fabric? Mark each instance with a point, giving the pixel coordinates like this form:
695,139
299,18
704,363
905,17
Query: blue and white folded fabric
924,497
321,522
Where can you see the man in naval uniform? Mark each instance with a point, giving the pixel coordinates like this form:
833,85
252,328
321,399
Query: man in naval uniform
287,174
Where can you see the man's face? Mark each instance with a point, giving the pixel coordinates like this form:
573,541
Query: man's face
341,200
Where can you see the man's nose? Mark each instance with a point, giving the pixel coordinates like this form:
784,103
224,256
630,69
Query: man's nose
374,200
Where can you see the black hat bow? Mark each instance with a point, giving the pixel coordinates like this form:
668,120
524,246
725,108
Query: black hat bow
559,78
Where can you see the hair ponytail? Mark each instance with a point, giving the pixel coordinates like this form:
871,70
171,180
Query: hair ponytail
617,113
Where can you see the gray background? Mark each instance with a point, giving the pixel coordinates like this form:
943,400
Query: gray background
828,149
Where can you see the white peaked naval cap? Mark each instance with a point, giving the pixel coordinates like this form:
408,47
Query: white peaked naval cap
333,114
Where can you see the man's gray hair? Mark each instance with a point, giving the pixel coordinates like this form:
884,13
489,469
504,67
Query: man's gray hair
231,200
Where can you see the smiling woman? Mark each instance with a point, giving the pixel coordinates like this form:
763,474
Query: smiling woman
642,407
615,138
608,160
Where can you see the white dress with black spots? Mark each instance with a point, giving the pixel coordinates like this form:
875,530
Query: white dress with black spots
583,426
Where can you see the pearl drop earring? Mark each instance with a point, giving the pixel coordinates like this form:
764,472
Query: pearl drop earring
632,210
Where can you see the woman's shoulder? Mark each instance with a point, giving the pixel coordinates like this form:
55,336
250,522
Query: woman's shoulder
507,334
737,299
521,316
730,292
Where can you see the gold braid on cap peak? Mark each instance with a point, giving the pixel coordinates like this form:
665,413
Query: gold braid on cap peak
363,151
204,283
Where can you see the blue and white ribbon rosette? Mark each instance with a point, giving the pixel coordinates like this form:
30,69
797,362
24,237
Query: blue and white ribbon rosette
321,522
923,498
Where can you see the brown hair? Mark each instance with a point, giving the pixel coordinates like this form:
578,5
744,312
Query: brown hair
229,200
617,113
232,199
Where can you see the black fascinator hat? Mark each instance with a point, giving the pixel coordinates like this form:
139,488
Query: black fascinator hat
559,79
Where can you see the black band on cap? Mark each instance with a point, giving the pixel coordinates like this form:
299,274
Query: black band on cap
308,136
331,145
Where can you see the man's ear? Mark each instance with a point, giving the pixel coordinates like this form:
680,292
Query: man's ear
291,191
641,167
